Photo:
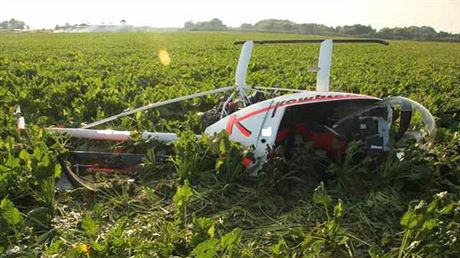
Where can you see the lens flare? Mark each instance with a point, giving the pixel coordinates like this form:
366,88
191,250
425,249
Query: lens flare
163,55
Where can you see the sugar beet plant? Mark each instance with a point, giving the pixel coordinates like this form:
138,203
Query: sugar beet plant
201,202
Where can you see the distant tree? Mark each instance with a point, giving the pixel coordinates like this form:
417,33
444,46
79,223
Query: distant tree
189,25
13,24
414,33
356,29
316,29
291,27
425,33
275,25
246,26
214,24
443,34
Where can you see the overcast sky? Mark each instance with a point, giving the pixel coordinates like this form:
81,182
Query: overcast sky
440,14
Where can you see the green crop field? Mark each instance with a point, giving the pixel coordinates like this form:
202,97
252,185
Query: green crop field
200,202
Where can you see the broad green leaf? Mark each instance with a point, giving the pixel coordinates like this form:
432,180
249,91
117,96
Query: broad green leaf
212,231
320,195
430,224
24,155
90,226
219,164
54,247
222,147
57,171
206,249
279,249
230,239
409,219
183,195
12,162
10,213
98,246
38,153
447,209
338,209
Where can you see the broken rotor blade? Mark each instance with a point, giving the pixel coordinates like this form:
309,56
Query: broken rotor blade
113,135
155,105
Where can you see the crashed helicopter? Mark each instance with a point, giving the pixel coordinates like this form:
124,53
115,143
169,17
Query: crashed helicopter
264,117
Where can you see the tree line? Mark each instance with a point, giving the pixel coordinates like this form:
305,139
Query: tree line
286,26
13,24
357,30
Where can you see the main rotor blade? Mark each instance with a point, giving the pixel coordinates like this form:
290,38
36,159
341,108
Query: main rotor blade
155,105
294,41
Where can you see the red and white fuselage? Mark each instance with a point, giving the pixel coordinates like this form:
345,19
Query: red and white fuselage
257,125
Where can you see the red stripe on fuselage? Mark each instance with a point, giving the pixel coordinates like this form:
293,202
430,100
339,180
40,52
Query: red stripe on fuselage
233,120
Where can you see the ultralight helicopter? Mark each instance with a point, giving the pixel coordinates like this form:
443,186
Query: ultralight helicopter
263,117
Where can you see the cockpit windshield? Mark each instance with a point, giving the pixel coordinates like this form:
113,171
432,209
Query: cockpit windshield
411,119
